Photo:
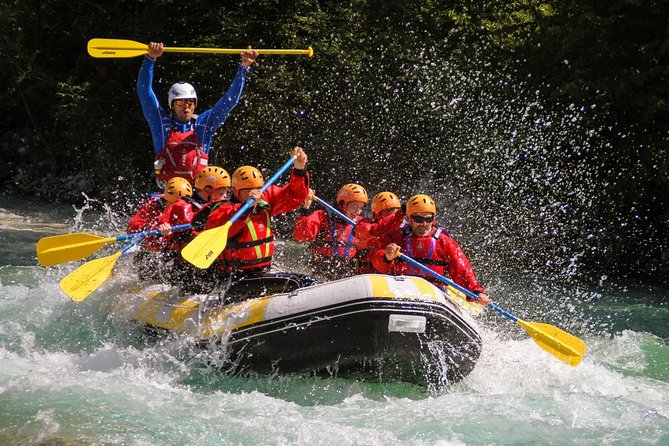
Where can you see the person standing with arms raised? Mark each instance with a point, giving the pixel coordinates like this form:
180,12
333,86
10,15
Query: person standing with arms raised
182,139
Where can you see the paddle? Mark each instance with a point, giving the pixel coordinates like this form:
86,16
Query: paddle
564,346
59,249
81,282
206,247
118,48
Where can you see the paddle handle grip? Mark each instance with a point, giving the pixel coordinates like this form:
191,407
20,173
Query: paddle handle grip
250,202
141,235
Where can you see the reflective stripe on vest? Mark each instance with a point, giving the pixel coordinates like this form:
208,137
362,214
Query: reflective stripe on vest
254,235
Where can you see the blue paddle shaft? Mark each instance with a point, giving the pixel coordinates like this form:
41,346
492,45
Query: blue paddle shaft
424,268
127,247
250,202
141,235
331,208
448,281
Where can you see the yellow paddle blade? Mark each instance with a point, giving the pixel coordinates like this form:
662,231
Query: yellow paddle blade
81,282
116,48
564,346
58,249
119,48
206,247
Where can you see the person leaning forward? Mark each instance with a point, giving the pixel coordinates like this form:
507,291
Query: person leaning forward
333,244
428,244
250,243
182,139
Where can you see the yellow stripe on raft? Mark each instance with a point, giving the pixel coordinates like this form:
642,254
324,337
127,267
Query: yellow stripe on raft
157,311
460,298
402,288
224,320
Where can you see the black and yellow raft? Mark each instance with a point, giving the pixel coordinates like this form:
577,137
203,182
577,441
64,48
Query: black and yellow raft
373,327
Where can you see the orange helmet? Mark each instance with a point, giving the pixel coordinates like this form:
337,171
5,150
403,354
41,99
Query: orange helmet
420,203
385,200
212,176
247,177
177,188
351,192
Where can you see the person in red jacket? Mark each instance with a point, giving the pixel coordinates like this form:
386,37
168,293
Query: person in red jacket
386,217
148,217
334,252
428,244
250,244
212,186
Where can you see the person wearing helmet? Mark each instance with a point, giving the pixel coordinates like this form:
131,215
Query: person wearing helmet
386,217
333,241
148,217
426,242
250,243
212,185
149,212
182,139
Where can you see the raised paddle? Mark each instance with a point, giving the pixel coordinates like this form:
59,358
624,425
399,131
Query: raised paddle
206,247
81,282
119,48
564,346
57,249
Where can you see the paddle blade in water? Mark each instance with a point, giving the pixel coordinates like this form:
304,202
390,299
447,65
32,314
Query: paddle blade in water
81,282
206,247
68,247
564,346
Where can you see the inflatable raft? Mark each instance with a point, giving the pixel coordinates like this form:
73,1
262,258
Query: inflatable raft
371,327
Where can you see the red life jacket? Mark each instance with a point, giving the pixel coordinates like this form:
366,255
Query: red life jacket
182,156
253,247
416,248
344,244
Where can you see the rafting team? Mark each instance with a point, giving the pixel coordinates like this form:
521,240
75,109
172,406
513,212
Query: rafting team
207,197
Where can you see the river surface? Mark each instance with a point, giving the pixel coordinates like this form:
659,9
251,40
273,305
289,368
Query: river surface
76,374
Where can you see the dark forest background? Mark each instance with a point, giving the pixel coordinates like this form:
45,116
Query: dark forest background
541,127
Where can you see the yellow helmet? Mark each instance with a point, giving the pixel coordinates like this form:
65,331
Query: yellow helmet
177,188
247,177
212,176
351,192
420,203
385,200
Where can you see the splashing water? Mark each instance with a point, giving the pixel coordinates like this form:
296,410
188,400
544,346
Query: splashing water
74,373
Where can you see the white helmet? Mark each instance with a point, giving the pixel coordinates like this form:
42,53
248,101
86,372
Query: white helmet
181,90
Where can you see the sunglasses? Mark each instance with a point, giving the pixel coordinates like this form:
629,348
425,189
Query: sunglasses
419,219
182,102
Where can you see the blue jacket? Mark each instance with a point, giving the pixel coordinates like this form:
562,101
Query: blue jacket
206,123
